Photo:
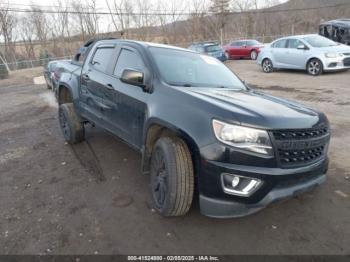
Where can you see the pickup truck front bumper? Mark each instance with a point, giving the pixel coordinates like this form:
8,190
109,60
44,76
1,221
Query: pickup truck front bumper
279,184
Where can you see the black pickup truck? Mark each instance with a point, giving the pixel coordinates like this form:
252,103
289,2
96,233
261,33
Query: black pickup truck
201,131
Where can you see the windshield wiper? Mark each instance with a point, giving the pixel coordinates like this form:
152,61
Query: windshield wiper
181,84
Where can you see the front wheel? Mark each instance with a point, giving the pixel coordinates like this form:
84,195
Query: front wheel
71,125
253,55
172,178
267,65
314,67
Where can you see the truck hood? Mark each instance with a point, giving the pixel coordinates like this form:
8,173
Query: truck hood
253,108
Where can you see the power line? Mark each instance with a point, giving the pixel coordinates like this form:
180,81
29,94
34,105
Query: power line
64,8
168,13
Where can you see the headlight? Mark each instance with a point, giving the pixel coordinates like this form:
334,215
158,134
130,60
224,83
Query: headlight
332,55
250,139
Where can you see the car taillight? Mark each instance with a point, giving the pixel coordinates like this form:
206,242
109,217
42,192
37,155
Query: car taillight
57,74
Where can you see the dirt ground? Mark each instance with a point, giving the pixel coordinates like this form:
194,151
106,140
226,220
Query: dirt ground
92,199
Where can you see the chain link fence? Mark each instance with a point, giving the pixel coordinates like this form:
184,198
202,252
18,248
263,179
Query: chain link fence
23,64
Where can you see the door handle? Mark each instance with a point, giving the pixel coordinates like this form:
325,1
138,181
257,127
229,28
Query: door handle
86,77
102,105
109,86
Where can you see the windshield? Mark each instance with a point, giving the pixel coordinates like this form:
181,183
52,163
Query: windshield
253,43
213,48
182,68
319,41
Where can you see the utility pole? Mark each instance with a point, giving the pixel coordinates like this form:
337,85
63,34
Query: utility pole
222,35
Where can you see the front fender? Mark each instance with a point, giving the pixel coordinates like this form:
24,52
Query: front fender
71,83
154,127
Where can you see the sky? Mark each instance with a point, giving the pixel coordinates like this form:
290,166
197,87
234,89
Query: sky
100,3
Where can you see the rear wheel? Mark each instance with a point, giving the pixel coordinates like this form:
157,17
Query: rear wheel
172,178
267,65
253,55
314,67
71,125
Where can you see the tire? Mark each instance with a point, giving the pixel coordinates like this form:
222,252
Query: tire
314,67
253,55
71,125
267,65
172,177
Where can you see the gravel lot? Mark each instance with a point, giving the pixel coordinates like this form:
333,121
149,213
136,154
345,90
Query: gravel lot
91,198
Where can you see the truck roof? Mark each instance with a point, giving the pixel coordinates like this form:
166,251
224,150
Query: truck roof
338,22
141,43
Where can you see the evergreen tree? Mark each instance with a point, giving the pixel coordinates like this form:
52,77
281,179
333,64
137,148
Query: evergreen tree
220,6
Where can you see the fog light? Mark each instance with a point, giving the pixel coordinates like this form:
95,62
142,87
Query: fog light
235,181
239,185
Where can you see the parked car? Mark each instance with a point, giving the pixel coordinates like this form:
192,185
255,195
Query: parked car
336,30
52,74
192,119
49,74
243,49
210,48
313,53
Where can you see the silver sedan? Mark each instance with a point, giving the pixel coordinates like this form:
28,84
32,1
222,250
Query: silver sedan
313,53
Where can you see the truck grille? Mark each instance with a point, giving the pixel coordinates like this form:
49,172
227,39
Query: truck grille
300,133
300,147
346,61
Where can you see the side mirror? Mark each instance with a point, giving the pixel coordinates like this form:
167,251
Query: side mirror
302,47
133,77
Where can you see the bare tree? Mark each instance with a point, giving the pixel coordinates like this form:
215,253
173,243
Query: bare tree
8,23
39,20
27,36
197,29
121,12
87,18
170,24
91,18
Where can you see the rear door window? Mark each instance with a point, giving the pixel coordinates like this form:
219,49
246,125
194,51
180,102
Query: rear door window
280,44
128,60
237,43
102,58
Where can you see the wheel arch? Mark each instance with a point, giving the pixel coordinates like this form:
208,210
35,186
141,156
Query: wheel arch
266,57
313,57
64,94
157,128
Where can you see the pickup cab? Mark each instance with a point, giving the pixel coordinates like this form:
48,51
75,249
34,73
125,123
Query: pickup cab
203,134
